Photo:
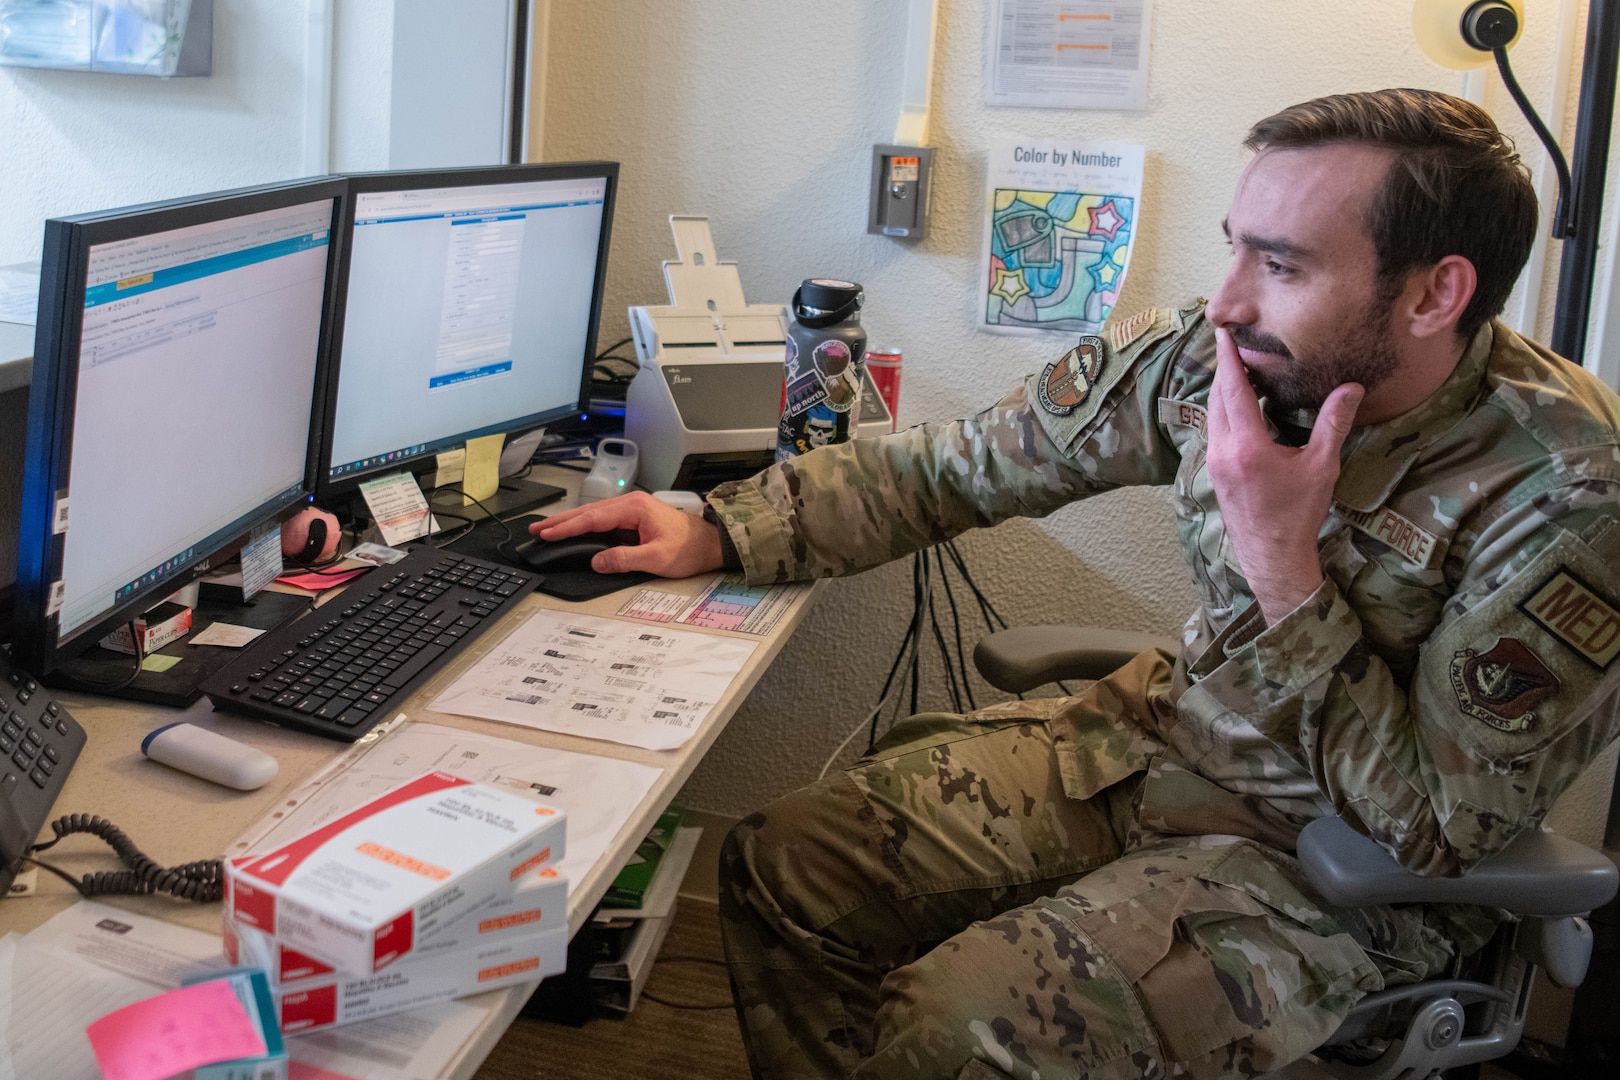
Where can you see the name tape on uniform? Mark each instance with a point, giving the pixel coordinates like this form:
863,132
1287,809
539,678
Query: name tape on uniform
1417,545
1576,615
1183,414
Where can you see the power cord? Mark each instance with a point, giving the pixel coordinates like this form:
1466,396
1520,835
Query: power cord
691,1005
927,568
91,686
201,882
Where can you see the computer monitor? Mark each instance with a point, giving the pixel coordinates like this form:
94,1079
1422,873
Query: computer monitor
467,306
178,381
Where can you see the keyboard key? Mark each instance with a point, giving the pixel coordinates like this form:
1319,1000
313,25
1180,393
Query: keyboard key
52,754
39,778
7,745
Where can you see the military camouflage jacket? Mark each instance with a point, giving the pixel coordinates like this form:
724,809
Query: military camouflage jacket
1450,678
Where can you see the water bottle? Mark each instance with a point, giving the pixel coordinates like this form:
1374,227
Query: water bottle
825,362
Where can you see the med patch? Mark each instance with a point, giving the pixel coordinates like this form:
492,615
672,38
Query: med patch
1502,686
1068,380
1575,614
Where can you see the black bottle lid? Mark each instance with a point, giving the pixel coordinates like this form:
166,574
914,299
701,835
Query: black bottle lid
824,301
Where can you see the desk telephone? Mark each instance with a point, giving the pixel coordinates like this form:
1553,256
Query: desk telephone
40,742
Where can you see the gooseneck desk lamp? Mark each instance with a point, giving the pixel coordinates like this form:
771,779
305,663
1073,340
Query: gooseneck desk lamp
1465,34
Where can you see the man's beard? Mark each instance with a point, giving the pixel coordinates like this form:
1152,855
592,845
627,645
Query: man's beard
1364,353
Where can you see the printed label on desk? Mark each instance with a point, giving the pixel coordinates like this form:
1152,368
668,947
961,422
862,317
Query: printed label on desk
261,561
397,506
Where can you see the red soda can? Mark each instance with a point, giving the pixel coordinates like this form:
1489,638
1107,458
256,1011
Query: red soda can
884,367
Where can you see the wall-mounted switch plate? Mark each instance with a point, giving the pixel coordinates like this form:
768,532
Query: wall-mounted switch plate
899,195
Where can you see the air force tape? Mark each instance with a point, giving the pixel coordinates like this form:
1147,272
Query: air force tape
1068,380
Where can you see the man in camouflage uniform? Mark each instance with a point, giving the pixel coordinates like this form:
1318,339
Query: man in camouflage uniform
1408,560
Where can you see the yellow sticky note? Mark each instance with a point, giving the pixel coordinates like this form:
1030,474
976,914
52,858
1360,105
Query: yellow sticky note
159,662
483,467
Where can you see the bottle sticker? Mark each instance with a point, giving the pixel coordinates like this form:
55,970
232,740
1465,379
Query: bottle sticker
54,604
59,520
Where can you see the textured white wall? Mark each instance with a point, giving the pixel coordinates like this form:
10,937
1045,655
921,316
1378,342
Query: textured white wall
73,141
762,115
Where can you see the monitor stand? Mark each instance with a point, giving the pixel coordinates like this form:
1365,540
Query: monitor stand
178,683
513,497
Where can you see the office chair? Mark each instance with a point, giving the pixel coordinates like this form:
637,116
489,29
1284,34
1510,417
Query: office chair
1425,1028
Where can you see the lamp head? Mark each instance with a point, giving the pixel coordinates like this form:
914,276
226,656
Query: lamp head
1461,34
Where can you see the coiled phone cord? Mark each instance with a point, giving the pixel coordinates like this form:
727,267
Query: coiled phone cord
201,882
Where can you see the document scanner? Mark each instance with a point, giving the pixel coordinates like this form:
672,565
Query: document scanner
704,406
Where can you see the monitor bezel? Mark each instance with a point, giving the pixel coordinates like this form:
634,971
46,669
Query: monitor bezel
333,491
36,640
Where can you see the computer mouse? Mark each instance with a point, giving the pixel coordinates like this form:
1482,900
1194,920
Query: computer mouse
573,554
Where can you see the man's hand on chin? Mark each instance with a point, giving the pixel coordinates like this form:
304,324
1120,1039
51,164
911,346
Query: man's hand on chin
1273,498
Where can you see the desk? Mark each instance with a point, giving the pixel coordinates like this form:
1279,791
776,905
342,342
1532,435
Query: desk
177,818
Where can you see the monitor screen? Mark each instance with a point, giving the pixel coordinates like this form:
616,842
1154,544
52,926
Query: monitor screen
468,307
177,375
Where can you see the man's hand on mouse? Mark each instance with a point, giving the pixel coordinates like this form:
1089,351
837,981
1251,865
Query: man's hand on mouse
673,544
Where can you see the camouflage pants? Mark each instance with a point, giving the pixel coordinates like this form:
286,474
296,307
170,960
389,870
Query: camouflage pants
942,909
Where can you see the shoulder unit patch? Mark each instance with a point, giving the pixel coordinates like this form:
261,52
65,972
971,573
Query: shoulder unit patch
1503,686
1576,615
1068,380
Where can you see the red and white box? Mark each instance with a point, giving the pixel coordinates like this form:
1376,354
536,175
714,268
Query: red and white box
539,903
374,886
310,1002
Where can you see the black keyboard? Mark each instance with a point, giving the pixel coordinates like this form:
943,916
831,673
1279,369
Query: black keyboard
345,667
39,742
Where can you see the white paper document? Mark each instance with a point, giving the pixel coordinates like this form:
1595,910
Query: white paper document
77,968
93,958
1069,54
598,794
226,635
648,686
1060,222
19,295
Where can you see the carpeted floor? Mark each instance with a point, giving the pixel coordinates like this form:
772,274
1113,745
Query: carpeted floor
656,1041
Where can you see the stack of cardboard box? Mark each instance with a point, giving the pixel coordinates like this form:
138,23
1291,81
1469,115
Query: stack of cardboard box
435,890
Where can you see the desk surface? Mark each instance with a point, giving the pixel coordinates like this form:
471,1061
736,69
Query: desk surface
177,818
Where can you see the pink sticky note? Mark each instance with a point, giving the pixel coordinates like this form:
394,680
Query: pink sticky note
316,582
173,1032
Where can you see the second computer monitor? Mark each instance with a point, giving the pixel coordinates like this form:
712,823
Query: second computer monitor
469,307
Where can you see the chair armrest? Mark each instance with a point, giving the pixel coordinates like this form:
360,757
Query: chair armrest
1024,657
1538,873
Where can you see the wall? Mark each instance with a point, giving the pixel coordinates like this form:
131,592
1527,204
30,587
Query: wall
75,141
762,115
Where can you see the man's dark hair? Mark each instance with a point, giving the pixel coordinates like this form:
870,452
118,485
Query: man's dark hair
1456,185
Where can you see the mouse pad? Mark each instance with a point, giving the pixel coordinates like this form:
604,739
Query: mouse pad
489,541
